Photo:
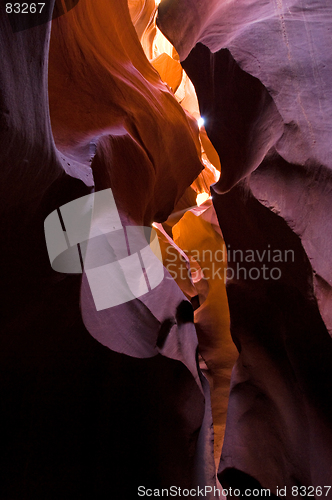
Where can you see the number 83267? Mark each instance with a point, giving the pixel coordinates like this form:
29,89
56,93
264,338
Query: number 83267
24,8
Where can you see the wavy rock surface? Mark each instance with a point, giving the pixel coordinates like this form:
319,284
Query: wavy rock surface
82,420
278,426
96,404
125,104
199,235
262,73
285,44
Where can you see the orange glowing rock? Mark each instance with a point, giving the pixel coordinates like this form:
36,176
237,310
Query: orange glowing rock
173,259
169,70
143,13
209,150
101,84
199,236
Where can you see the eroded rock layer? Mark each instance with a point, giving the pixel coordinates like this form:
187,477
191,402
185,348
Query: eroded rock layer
262,73
96,403
279,409
81,417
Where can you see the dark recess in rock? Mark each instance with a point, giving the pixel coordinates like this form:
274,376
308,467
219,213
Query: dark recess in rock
240,116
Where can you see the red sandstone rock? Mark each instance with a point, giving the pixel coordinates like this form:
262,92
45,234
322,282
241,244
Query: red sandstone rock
261,71
81,419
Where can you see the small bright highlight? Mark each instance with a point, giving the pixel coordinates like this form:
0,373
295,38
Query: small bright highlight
200,122
201,198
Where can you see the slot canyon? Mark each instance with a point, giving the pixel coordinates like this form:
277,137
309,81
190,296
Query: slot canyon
208,123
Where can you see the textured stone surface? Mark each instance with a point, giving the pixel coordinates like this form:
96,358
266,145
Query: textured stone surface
95,404
80,420
285,44
278,425
262,73
117,100
242,120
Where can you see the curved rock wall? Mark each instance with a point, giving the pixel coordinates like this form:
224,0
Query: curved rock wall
81,417
262,75
97,403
